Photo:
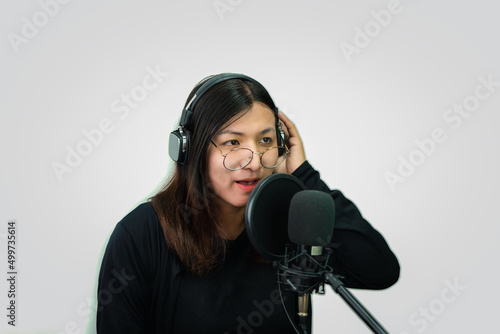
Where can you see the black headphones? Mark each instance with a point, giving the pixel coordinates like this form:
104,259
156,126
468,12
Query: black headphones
178,146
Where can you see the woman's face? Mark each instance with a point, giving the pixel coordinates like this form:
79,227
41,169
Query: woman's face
255,130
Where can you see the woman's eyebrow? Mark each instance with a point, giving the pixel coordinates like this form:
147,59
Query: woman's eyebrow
223,132
267,130
237,133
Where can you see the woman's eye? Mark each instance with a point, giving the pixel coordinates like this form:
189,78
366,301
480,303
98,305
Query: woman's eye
267,140
232,142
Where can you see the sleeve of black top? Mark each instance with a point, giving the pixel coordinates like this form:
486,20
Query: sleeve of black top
123,297
360,253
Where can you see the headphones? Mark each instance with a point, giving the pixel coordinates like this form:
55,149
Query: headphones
178,147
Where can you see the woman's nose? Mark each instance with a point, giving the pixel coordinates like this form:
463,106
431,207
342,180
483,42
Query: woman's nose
255,162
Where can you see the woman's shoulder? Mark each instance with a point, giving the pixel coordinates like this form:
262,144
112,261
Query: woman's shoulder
142,216
140,225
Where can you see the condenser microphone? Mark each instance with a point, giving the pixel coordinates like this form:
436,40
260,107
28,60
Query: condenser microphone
311,218
310,226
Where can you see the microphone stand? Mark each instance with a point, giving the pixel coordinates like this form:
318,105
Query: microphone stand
355,305
305,274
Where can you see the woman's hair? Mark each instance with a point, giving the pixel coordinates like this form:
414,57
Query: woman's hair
185,206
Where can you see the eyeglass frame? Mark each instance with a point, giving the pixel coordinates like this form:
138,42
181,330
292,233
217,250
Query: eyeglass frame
249,161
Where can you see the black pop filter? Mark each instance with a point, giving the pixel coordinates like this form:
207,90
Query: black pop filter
266,214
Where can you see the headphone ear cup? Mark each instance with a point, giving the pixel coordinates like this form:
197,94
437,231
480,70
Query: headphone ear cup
178,146
281,138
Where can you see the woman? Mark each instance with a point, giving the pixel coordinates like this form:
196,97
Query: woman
182,262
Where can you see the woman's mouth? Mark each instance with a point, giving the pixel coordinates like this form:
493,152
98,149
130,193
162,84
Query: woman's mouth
247,185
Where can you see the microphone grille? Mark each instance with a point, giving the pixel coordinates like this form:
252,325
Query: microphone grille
311,218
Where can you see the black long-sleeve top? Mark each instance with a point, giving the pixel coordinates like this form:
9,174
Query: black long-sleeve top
143,287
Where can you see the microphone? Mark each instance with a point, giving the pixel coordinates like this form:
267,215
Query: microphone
311,218
280,211
310,226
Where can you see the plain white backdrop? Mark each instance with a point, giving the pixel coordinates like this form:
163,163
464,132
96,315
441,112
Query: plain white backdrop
368,84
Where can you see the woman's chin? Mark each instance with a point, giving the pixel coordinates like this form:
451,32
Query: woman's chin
234,202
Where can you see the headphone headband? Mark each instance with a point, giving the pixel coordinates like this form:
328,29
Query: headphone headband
179,140
216,79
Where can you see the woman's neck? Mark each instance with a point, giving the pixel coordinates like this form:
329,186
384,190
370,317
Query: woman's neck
233,221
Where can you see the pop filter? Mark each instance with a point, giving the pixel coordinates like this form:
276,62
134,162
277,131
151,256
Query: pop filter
266,214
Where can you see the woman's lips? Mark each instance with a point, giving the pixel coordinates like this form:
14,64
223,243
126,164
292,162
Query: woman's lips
247,185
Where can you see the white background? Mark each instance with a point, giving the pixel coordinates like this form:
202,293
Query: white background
358,115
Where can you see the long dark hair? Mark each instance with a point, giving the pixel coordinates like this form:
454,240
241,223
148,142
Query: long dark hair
185,207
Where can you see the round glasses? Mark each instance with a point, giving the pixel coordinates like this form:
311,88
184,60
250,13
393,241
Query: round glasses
239,158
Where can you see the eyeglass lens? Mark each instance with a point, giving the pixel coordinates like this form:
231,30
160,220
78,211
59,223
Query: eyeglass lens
239,158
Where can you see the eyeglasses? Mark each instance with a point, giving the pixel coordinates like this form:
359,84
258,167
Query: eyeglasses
239,158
